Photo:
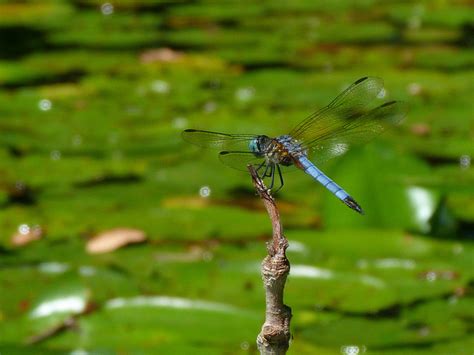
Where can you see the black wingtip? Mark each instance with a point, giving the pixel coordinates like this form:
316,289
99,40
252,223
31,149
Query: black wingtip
350,202
361,80
389,103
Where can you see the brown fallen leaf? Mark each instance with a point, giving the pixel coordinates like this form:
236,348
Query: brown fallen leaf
160,55
113,239
420,129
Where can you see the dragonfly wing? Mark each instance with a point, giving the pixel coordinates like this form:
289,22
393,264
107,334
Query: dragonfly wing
239,159
354,101
356,130
223,141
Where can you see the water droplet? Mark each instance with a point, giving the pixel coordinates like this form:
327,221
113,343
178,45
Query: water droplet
180,122
160,87
55,155
210,106
465,161
414,89
245,94
424,331
244,345
24,229
350,350
107,8
431,276
205,191
45,105
76,140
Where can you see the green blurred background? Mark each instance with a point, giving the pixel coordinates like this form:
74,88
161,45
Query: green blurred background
93,97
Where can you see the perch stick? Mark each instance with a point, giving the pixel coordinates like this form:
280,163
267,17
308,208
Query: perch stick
274,338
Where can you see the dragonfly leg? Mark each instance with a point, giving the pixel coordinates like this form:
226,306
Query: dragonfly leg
258,168
281,178
267,172
272,172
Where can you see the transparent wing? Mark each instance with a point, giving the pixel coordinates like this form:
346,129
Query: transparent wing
223,141
357,129
352,102
240,159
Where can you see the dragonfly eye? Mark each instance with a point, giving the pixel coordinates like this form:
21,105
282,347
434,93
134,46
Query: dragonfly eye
254,146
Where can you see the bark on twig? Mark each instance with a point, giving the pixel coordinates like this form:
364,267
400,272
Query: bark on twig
274,338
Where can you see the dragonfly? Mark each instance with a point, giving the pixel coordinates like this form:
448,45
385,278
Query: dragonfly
354,117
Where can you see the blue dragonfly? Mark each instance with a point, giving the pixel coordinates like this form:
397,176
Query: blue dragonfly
353,117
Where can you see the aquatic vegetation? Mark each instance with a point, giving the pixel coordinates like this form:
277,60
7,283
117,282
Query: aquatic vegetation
92,103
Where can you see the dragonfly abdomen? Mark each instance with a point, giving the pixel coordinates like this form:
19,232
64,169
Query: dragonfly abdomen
309,168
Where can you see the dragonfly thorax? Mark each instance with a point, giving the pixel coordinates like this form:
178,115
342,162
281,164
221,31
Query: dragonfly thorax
280,150
286,150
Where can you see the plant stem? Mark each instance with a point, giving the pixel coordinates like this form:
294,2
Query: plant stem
274,338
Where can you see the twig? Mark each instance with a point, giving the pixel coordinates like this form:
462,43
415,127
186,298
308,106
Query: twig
70,322
274,338
66,324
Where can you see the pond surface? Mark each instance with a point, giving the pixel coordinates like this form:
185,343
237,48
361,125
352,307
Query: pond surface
116,237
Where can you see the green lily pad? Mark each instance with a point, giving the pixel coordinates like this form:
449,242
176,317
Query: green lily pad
404,205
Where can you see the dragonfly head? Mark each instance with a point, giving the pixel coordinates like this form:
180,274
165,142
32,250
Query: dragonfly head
259,144
254,146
